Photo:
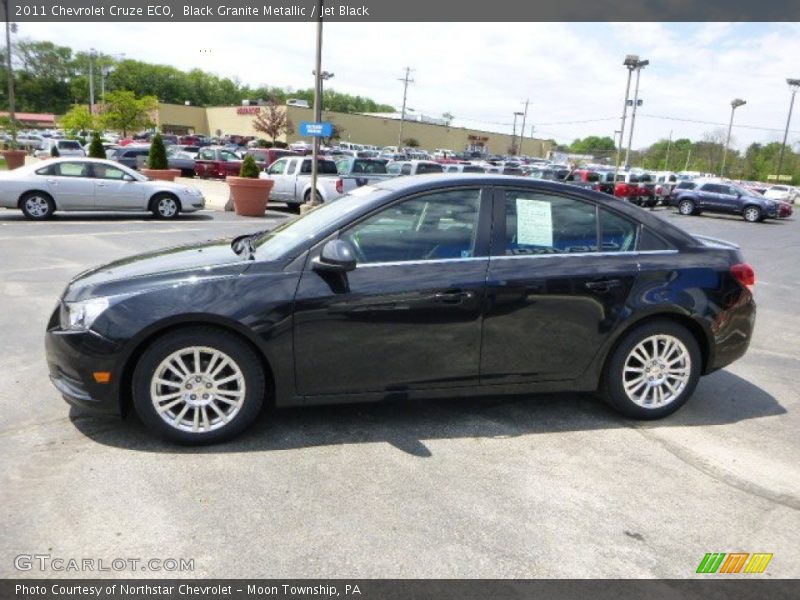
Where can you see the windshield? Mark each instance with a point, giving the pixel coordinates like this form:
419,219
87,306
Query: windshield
291,238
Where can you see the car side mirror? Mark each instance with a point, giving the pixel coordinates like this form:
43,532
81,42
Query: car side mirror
337,256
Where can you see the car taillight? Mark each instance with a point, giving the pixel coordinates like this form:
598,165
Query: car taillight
339,186
744,274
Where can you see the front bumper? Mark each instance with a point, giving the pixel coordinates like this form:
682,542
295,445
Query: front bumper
73,357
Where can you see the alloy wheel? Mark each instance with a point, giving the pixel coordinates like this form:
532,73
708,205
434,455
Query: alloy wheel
37,206
167,207
197,389
656,371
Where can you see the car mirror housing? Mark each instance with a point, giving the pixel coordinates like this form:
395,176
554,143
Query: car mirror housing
337,256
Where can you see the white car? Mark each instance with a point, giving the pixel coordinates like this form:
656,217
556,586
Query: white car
65,148
782,192
41,189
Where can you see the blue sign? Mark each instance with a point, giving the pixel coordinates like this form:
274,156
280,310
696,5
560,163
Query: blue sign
316,129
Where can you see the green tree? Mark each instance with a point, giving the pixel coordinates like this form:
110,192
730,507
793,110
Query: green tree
78,118
594,145
126,113
249,167
411,142
96,147
157,157
54,151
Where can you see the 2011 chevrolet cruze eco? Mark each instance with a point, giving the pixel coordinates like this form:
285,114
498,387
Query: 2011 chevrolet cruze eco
420,286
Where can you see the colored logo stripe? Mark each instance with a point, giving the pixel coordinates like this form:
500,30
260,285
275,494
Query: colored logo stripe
734,563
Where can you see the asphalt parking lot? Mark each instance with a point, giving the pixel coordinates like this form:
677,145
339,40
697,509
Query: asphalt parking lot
547,486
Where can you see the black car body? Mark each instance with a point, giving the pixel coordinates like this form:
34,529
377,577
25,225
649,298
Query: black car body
725,198
421,286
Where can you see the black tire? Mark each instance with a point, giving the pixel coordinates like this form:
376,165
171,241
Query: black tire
752,214
293,207
686,207
612,386
245,360
37,206
165,206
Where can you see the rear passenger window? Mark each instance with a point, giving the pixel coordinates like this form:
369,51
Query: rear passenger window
648,242
542,224
617,233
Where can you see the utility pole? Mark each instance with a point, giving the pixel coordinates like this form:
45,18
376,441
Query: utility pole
688,158
11,100
522,129
514,133
666,158
630,63
406,80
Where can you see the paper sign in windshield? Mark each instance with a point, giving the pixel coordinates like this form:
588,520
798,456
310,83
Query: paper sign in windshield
534,223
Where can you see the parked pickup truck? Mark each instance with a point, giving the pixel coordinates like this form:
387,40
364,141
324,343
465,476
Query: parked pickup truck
216,161
292,177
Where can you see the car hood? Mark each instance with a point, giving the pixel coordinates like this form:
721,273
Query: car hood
171,266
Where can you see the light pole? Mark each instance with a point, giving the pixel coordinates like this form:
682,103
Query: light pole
406,80
735,103
11,100
522,128
630,63
317,107
514,132
794,84
640,64
92,54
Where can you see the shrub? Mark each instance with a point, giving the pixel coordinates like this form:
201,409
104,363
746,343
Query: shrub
262,143
157,159
249,167
54,151
96,149
280,144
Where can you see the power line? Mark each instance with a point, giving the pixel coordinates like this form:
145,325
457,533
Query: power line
736,126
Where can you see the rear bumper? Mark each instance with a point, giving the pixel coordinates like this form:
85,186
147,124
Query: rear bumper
73,358
732,331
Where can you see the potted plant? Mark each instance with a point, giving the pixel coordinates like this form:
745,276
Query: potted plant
157,164
14,157
96,149
249,193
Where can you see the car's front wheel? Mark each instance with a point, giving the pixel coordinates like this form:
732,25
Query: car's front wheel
165,206
37,206
198,386
653,371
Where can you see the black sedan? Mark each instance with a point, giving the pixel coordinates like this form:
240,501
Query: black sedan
420,286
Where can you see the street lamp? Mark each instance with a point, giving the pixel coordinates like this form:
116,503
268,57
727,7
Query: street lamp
514,131
640,64
630,62
735,103
317,109
11,112
795,85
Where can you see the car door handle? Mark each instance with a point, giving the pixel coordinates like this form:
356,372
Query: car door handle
98,184
602,285
51,181
452,296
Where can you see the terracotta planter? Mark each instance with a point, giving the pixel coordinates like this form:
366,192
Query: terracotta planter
14,158
161,174
250,195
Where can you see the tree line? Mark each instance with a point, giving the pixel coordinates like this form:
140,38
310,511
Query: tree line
756,163
51,78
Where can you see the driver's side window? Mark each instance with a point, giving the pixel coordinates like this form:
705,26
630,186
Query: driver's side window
433,226
277,168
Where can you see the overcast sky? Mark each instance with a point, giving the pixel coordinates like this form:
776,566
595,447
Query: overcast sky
481,72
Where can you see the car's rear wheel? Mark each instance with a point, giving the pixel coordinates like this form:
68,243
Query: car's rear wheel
752,214
37,206
197,386
165,206
686,207
653,371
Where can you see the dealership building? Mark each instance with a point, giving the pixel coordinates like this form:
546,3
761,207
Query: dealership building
379,130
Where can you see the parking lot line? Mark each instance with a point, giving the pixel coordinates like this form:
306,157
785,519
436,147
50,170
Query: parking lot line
99,233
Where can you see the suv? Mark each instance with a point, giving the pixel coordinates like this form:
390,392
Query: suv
726,198
65,148
130,156
413,167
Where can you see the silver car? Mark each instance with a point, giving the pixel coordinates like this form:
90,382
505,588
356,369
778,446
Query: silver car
40,189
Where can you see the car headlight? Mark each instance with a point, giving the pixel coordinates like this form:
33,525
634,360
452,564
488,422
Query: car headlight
79,316
192,191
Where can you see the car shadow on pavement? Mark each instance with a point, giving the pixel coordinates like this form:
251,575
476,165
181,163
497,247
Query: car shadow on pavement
721,398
